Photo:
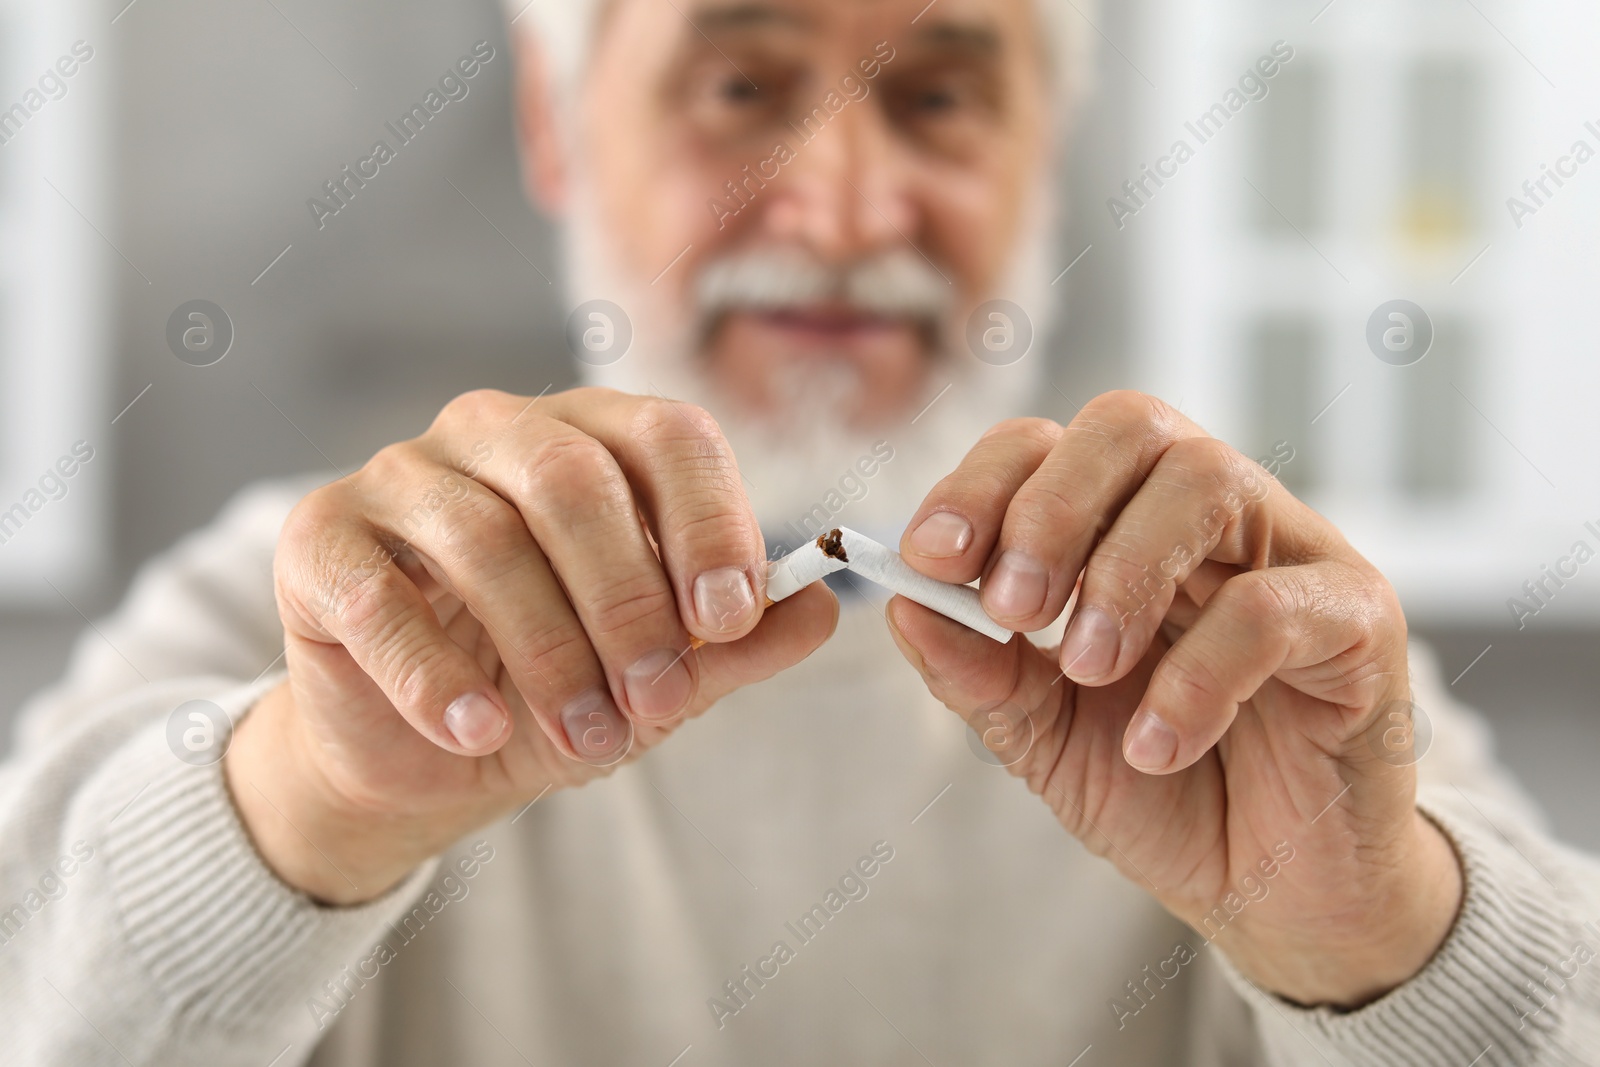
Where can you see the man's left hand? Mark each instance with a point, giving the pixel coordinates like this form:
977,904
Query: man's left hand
1226,694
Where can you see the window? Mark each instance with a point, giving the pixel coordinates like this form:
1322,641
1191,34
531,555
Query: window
1288,160
53,304
1284,356
1438,430
1443,124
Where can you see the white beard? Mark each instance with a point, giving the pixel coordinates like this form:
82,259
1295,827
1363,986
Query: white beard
808,457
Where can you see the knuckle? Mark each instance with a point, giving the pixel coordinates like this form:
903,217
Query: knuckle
1127,409
566,467
388,638
1118,571
978,487
476,406
708,523
674,423
623,603
587,395
1118,405
1340,589
1379,590
479,529
370,614
652,420
415,674
1206,459
1384,621
1192,684
390,466
701,421
312,569
1036,431
1049,506
310,520
1258,600
661,422
554,651
683,443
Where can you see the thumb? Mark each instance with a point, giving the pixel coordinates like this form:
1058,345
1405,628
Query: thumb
1012,695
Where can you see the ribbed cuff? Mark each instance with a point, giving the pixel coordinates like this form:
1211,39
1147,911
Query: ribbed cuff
1486,995
224,940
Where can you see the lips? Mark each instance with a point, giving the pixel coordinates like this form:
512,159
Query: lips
831,321
860,364
829,326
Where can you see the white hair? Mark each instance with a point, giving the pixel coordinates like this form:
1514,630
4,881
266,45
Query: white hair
566,30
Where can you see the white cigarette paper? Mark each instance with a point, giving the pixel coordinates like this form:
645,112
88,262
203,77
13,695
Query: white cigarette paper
845,549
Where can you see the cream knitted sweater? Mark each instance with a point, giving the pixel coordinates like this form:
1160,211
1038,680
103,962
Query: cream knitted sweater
818,871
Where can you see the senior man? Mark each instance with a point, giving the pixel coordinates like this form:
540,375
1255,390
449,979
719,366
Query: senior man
541,778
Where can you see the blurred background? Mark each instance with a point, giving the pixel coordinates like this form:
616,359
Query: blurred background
1385,159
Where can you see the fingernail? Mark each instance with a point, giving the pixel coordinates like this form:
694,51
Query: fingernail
1151,743
658,684
1016,587
724,600
941,535
1090,647
596,728
474,721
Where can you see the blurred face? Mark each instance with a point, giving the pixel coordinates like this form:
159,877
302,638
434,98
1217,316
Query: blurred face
811,194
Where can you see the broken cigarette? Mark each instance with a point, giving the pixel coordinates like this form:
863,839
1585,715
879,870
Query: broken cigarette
845,550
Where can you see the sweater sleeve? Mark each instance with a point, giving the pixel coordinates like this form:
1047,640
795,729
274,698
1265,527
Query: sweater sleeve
1517,981
138,925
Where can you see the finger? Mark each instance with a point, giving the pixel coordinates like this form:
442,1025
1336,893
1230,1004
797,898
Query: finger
1011,698
787,633
684,481
1198,588
689,488
1317,626
1191,597
953,533
480,548
582,512
1052,522
1203,500
337,583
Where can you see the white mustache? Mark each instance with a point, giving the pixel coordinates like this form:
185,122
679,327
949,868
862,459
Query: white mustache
891,284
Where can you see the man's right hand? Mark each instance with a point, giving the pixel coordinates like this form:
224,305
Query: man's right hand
501,606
